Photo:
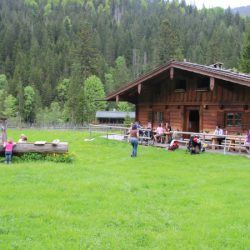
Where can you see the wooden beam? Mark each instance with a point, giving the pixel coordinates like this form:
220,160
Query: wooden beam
172,73
139,88
212,80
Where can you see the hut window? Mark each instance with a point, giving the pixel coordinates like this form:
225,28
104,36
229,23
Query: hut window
158,116
233,119
181,86
203,84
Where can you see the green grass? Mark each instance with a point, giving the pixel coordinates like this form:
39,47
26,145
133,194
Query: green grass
108,200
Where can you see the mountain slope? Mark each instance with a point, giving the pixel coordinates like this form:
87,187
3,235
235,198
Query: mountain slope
245,10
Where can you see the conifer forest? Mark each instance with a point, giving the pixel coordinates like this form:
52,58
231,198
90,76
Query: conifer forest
57,57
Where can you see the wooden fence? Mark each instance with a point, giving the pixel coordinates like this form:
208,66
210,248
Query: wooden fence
235,143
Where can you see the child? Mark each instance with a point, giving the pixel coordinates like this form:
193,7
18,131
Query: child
9,145
23,138
173,145
247,141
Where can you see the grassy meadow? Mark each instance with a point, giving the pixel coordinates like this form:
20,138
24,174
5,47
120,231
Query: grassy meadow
107,200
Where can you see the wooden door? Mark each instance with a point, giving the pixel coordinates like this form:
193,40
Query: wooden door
192,120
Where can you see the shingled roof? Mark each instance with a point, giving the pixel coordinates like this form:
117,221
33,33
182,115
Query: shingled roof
209,71
114,114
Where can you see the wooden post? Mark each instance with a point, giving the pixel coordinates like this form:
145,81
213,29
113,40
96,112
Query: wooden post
211,83
171,73
117,98
139,88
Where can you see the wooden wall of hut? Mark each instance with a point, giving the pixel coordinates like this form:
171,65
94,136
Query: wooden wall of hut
175,98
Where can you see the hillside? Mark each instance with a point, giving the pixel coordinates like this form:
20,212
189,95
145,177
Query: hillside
243,10
49,48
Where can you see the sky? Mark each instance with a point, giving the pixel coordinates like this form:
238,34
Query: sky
221,3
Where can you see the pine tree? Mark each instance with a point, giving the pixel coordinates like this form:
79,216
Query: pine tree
93,97
165,44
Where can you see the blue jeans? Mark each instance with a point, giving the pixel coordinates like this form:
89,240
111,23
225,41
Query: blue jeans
134,143
8,157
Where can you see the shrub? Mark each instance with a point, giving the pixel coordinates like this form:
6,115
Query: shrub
65,158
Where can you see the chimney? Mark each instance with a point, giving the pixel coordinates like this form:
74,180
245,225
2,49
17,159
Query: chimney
217,65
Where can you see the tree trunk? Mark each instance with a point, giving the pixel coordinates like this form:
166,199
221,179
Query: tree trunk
48,148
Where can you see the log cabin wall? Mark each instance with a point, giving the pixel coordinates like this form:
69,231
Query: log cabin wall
166,100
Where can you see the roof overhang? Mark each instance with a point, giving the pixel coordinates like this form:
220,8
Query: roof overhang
208,71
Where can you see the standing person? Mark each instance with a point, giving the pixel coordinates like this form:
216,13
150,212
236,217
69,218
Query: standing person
9,145
134,140
247,141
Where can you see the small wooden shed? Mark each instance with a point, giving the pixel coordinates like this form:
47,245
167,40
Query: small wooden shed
113,117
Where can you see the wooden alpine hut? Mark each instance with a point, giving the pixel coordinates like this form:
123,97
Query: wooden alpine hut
191,97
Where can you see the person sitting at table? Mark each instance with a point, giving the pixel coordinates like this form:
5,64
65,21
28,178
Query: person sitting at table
159,133
247,141
149,127
176,135
168,127
138,124
219,131
167,130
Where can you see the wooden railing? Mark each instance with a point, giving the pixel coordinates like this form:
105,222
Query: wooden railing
234,143
229,142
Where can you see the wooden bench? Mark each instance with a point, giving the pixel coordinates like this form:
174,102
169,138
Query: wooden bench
146,140
236,144
183,142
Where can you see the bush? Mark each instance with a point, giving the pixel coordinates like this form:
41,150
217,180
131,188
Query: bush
65,158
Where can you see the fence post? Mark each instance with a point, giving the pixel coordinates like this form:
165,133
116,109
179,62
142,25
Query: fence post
225,145
90,130
240,146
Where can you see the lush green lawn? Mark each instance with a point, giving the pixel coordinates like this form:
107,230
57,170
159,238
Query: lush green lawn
108,200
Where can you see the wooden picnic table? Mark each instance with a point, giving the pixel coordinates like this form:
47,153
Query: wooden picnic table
145,135
215,140
234,143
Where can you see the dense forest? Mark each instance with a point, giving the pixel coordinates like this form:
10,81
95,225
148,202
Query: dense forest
59,58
